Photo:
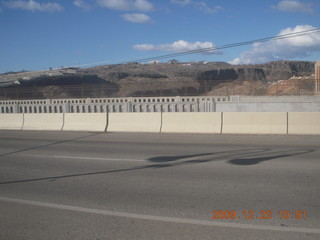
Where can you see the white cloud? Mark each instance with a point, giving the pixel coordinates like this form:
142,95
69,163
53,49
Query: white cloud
206,9
82,4
178,46
281,49
34,6
181,2
136,18
294,6
143,5
127,5
203,6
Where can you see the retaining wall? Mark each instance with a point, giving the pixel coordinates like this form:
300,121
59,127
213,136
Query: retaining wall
254,123
95,122
11,121
191,123
304,123
134,122
268,107
215,123
43,121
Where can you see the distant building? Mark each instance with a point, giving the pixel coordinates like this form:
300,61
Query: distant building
173,61
68,70
317,76
154,62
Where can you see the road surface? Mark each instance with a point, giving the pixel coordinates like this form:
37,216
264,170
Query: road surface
64,185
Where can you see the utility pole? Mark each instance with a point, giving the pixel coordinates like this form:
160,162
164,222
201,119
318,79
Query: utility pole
317,77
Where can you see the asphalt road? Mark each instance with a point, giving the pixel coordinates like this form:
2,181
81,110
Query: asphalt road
62,185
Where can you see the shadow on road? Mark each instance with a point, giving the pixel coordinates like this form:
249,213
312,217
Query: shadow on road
237,157
274,155
243,157
175,158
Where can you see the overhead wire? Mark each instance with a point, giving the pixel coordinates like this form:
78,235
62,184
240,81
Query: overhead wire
201,50
238,44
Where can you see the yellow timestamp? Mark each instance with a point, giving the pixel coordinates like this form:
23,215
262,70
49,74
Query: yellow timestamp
263,214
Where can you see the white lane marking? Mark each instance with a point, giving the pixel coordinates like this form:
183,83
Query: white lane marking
82,158
160,218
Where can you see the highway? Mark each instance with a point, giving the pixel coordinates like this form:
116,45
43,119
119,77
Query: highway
84,185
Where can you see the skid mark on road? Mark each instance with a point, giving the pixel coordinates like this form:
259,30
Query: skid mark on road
82,158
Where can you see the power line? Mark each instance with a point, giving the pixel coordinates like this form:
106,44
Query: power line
238,44
210,49
202,50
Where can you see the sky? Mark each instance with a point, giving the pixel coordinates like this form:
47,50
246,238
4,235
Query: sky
42,34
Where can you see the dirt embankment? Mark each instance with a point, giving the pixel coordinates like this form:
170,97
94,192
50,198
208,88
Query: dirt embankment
174,78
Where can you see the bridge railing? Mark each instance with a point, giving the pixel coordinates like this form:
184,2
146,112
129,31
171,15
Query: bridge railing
102,105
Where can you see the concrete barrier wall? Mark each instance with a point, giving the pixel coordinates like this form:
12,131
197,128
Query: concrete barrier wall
268,107
11,121
225,123
134,122
254,123
165,104
191,122
304,123
273,99
96,122
43,121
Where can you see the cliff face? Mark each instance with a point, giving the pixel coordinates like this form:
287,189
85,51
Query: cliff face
272,71
242,74
282,70
218,75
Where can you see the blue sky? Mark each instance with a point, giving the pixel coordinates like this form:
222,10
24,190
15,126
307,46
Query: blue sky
39,34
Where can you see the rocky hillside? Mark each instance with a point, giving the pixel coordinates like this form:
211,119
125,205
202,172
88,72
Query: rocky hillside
161,78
